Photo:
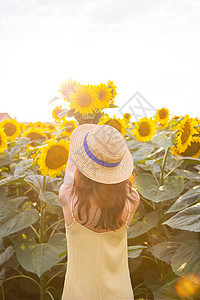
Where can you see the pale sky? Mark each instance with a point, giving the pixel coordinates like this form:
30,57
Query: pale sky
148,46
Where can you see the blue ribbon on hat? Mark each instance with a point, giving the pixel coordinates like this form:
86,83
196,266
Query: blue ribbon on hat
96,159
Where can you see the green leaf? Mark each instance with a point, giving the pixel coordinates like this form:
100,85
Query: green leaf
20,143
35,181
6,255
191,160
194,176
15,202
22,166
2,275
133,144
162,140
187,219
11,180
50,198
13,220
38,258
142,153
187,199
149,189
165,251
187,258
135,251
5,158
166,292
137,228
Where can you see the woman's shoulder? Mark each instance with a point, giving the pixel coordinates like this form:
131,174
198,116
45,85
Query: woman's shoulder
65,194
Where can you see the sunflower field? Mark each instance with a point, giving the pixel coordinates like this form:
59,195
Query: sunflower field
163,237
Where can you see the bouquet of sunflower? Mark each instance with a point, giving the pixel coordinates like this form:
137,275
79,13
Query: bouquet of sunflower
86,102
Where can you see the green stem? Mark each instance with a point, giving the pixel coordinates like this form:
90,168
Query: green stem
158,163
42,213
47,292
163,166
148,202
42,287
171,171
23,276
42,239
154,176
148,257
161,183
53,277
53,225
3,294
54,230
33,228
160,213
139,285
17,190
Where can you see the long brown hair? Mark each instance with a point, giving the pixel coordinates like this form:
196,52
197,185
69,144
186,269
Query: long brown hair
109,197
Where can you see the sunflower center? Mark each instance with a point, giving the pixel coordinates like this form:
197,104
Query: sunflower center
192,149
115,124
186,133
162,114
56,157
10,129
34,136
84,100
144,129
101,96
57,111
127,116
70,126
51,127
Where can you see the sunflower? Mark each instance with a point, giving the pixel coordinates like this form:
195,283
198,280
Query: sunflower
198,126
53,158
144,129
28,126
3,141
162,116
113,88
185,133
68,127
34,134
49,135
11,128
175,118
56,111
83,100
39,125
162,126
51,127
193,150
117,123
102,95
67,88
22,126
126,117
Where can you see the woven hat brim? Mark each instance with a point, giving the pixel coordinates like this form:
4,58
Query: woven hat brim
90,168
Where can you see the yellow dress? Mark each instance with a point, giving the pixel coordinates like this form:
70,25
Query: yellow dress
97,267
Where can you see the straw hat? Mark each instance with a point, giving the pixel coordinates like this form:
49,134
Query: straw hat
100,153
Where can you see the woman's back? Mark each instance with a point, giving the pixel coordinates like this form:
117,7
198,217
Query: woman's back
95,211
97,267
